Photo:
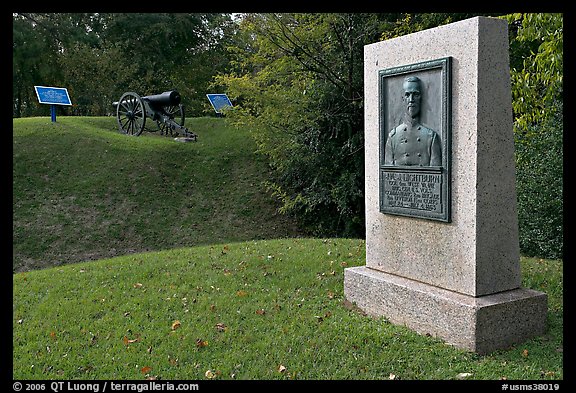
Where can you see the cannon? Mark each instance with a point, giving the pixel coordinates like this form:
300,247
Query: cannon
164,109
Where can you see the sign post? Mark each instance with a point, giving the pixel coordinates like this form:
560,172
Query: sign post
218,102
52,96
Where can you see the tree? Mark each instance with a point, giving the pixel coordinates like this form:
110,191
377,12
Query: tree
539,177
171,51
537,66
97,77
39,39
98,56
33,59
536,56
298,81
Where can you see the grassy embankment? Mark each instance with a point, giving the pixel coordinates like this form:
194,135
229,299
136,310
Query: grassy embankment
83,191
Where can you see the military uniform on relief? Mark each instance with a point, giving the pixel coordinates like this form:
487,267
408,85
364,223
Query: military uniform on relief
414,145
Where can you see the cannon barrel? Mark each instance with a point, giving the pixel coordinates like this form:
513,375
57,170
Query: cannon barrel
168,98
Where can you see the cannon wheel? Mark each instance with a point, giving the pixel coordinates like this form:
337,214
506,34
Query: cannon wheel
131,114
176,113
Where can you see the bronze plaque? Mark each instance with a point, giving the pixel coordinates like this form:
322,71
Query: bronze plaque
415,134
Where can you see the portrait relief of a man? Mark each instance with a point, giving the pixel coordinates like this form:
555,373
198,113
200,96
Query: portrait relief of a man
411,143
415,132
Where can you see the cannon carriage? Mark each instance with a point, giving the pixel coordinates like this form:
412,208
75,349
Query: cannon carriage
164,109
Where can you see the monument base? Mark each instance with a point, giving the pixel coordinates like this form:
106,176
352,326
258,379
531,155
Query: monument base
478,324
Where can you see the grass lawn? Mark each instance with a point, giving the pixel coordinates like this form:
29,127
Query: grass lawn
268,309
142,257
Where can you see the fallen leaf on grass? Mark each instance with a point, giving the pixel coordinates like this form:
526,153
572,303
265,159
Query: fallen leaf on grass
261,311
241,293
176,324
281,369
463,375
221,327
525,353
145,370
128,341
53,335
138,285
392,376
201,343
212,374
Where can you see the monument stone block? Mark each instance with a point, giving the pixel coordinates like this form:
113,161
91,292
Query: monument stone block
442,248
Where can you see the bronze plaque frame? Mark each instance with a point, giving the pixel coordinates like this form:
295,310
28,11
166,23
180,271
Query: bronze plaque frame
416,190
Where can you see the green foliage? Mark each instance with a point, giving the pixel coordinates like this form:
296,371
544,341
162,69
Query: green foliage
99,56
33,61
300,86
537,66
410,23
536,58
307,116
539,165
255,310
298,80
97,77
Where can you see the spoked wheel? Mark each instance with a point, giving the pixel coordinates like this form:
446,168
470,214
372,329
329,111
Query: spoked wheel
131,114
176,113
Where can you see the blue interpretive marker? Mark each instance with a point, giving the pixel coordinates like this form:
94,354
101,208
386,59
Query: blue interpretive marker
219,101
53,96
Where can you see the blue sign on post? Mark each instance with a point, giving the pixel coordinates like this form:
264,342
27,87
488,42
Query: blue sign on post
219,101
53,96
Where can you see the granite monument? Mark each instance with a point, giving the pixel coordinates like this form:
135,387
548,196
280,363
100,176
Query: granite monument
442,247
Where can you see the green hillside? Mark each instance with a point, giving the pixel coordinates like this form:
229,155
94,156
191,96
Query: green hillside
84,191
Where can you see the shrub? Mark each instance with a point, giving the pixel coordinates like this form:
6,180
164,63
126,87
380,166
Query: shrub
539,169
